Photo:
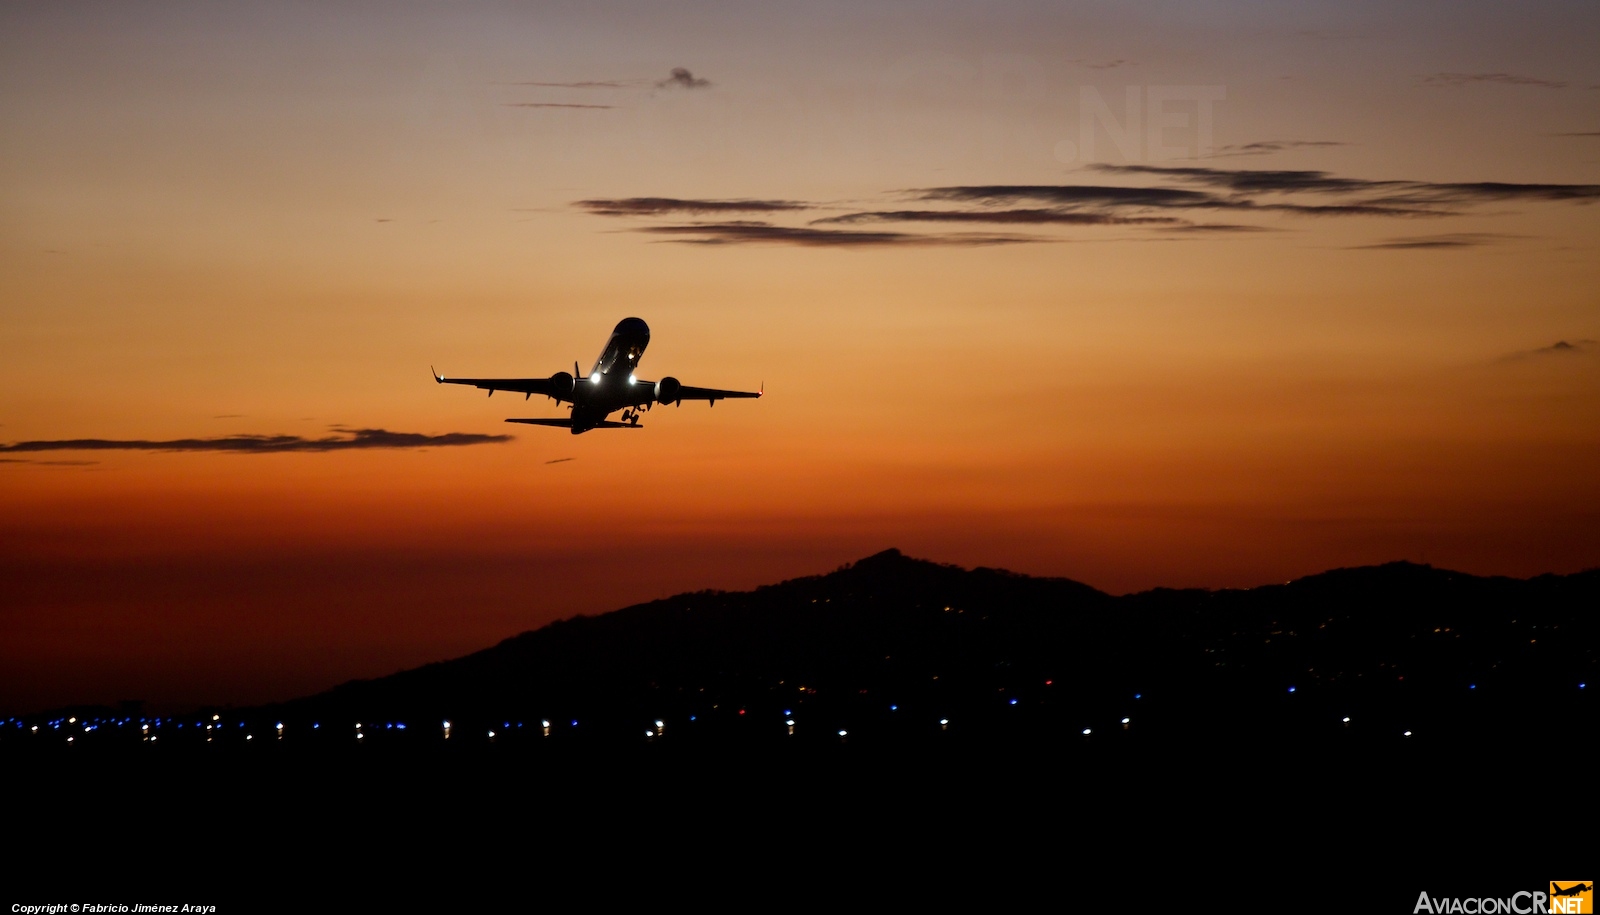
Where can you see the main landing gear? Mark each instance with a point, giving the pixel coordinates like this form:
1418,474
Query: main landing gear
631,417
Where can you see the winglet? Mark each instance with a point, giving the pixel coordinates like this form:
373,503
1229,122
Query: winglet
436,376
762,390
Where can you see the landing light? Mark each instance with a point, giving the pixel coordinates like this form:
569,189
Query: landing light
632,380
595,378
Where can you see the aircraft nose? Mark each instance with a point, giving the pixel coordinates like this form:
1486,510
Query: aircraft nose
633,326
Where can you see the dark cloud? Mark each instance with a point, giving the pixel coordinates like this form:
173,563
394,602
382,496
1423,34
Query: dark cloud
1256,181
559,461
737,233
661,206
1426,242
1584,133
681,78
1268,147
1069,195
552,105
1561,347
1027,217
1456,80
48,463
1078,196
1106,65
346,440
1168,207
1214,228
1381,197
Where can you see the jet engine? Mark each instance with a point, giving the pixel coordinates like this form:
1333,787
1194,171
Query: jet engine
561,386
667,390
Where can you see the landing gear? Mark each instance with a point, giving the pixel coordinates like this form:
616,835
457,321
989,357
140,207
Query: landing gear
631,417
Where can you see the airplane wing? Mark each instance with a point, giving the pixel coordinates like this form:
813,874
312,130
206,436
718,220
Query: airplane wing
713,394
685,392
524,386
567,423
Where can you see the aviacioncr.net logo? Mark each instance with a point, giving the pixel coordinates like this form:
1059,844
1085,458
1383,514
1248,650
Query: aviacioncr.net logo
1564,897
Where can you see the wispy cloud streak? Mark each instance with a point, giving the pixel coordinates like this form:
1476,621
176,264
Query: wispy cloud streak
742,232
1457,80
346,440
1443,242
662,206
1168,200
1268,147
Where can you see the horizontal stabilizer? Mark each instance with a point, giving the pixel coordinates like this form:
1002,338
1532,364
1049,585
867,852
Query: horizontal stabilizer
567,423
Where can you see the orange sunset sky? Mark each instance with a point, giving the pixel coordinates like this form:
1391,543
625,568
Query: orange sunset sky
1139,294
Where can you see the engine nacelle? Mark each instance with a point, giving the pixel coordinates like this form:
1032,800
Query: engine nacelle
561,386
667,390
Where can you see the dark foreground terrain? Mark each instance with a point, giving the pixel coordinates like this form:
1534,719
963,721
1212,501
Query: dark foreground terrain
960,723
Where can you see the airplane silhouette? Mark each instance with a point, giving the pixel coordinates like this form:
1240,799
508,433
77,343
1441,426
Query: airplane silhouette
1574,890
610,386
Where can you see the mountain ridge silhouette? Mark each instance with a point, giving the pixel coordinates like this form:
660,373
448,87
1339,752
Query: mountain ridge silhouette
893,630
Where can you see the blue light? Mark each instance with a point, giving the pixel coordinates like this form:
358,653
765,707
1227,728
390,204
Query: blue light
1013,702
400,727
314,725
1291,689
693,717
1582,685
1138,695
389,726
574,722
894,708
787,713
1472,686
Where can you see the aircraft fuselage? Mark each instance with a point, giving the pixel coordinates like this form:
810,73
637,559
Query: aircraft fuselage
612,385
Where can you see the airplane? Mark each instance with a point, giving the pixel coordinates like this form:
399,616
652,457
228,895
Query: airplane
610,386
1576,889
